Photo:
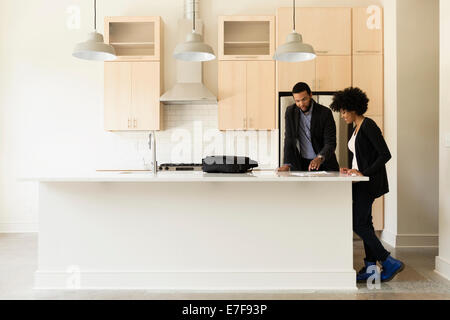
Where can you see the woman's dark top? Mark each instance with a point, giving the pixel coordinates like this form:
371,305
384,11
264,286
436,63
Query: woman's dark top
372,154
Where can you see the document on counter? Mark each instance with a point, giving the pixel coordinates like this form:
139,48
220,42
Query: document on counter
310,173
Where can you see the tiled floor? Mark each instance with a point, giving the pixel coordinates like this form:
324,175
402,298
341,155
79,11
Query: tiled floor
18,261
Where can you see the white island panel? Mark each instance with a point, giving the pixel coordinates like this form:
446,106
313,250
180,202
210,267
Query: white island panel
279,235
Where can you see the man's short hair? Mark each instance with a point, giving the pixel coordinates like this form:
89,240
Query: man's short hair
300,87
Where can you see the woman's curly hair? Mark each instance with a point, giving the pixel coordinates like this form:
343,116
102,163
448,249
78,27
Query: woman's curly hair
350,99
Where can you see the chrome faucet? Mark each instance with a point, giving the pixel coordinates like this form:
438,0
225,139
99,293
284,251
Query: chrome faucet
152,146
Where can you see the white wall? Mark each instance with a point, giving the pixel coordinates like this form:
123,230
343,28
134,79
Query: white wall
51,104
443,260
417,122
390,118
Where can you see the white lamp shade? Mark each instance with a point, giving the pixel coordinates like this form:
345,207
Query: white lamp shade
194,49
94,49
294,50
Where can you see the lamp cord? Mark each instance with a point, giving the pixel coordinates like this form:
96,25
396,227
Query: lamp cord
193,20
294,14
95,15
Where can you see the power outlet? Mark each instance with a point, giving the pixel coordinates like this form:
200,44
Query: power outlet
447,140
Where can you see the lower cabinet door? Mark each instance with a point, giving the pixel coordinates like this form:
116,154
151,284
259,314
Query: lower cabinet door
117,99
261,95
232,95
378,214
145,91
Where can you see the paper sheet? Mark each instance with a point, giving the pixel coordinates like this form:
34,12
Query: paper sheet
310,173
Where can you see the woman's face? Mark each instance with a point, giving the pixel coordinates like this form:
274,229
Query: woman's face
348,116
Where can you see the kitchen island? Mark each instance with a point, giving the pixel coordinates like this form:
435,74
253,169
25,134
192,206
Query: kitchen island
196,231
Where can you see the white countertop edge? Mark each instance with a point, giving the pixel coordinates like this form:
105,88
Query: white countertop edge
195,177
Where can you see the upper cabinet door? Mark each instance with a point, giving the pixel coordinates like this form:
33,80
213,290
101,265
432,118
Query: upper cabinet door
117,101
232,95
289,73
145,95
368,30
134,38
368,76
246,37
328,30
261,95
333,72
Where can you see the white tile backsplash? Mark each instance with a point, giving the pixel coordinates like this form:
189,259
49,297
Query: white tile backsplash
190,133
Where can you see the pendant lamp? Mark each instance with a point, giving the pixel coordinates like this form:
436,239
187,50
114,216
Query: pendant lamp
194,49
294,50
94,48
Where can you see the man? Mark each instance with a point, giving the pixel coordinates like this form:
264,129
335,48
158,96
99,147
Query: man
310,136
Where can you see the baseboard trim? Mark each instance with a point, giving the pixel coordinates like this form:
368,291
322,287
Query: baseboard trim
20,227
442,267
417,241
388,238
193,281
410,240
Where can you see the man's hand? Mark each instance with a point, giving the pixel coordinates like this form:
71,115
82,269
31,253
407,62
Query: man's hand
284,168
315,164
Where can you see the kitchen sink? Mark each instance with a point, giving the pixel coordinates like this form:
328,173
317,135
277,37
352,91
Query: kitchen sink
135,172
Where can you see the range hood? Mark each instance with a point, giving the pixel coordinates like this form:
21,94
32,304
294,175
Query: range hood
189,88
188,93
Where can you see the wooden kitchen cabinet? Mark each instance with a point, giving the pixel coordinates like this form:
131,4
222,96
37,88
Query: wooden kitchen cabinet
145,93
368,76
134,38
132,91
331,69
289,73
378,214
117,100
246,37
367,30
328,30
133,81
232,95
260,95
246,95
333,73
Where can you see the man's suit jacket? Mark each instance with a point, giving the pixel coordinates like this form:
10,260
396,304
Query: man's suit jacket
372,154
323,137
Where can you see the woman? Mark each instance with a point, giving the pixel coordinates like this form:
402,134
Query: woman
369,157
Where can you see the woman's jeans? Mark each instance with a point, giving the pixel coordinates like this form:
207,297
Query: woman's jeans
362,223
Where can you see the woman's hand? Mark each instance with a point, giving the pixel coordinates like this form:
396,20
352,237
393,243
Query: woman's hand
344,170
352,172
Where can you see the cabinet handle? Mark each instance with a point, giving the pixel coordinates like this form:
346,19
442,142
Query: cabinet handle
323,51
135,123
246,57
368,51
129,123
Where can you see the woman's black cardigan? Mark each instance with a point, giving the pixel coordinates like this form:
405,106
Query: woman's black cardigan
372,154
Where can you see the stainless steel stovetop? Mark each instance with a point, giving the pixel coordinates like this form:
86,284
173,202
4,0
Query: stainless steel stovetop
180,167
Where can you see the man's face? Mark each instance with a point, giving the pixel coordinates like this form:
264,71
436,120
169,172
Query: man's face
303,100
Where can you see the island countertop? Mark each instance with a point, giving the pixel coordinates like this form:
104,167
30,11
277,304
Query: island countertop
198,176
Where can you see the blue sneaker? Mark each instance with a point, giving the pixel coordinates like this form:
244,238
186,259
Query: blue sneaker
363,275
391,267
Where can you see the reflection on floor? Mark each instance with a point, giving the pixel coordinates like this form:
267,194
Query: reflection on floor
18,261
